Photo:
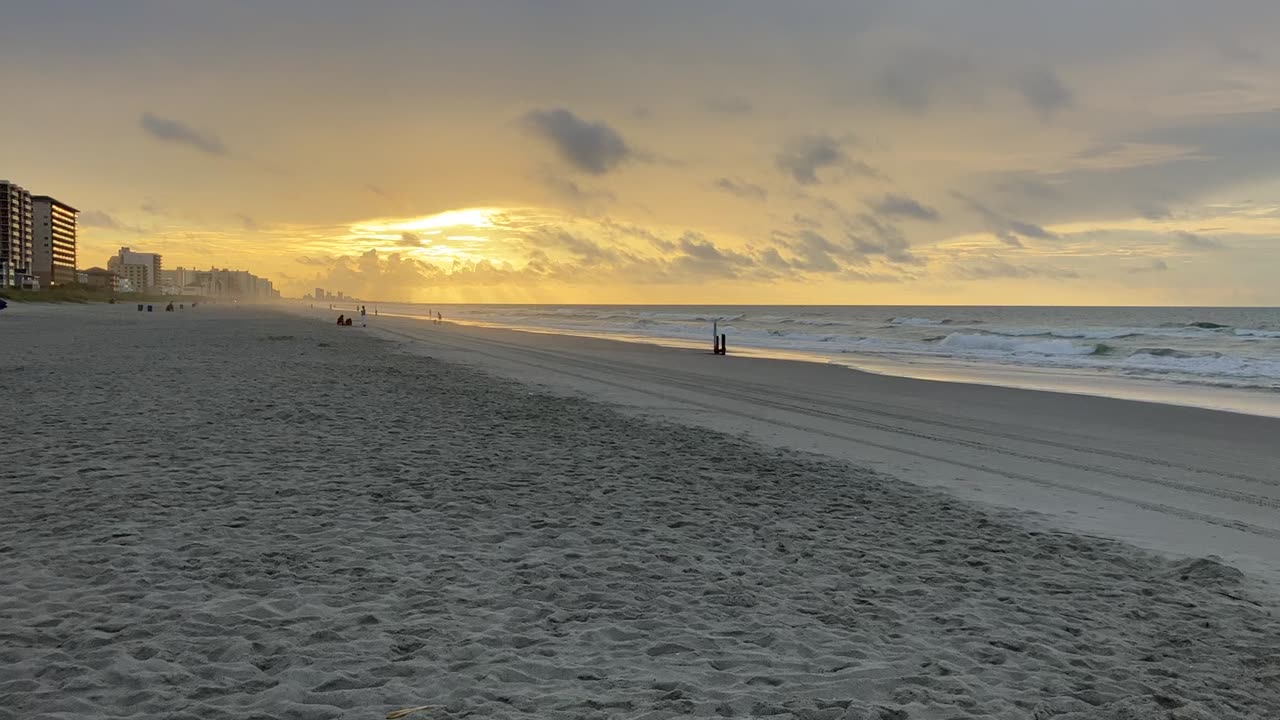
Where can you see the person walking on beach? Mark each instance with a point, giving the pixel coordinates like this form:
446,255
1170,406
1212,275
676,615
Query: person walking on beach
362,317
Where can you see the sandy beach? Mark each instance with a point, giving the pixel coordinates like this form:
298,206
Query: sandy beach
240,513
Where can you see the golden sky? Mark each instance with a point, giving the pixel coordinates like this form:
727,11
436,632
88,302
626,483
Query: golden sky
705,151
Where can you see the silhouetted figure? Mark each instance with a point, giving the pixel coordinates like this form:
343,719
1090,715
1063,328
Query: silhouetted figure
340,320
363,323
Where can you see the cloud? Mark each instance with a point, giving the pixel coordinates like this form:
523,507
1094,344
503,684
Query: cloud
583,199
1154,266
104,221
889,242
376,190
991,268
1008,230
814,253
915,80
1192,241
409,239
1044,91
901,206
247,222
592,147
174,131
730,105
803,157
744,190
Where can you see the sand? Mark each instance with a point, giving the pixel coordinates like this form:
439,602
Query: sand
230,513
1177,480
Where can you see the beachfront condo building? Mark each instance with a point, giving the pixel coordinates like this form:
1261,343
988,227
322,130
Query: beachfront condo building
97,277
54,242
319,294
16,237
142,270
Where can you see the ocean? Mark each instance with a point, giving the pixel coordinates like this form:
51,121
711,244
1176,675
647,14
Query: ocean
1071,348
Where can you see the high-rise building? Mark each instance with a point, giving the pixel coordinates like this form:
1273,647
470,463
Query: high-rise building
319,294
15,236
54,248
146,279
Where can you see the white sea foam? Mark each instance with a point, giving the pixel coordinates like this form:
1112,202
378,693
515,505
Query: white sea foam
1208,365
998,343
917,321
1254,333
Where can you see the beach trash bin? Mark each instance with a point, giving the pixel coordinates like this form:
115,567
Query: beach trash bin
139,307
148,308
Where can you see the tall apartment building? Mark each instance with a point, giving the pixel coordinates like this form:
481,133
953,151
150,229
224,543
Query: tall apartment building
16,239
54,245
142,270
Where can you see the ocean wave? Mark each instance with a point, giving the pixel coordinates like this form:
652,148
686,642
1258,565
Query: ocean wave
1207,364
918,322
1256,333
999,343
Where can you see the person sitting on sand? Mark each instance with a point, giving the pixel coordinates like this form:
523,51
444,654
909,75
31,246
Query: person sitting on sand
340,322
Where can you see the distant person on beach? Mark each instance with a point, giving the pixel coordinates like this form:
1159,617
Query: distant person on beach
340,321
439,319
362,317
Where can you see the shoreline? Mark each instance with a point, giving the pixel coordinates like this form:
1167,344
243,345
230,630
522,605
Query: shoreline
1256,402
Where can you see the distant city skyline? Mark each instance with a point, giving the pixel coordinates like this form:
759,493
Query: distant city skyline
815,152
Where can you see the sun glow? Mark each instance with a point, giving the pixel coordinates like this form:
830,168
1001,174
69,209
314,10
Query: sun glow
465,218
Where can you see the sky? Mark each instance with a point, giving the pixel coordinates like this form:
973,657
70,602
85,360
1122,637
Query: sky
668,151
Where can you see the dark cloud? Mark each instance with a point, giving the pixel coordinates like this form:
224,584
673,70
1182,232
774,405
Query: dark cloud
989,268
739,188
247,222
102,220
814,253
1155,266
729,105
803,157
901,206
1008,230
582,198
409,239
806,221
1153,211
914,81
1238,54
1044,91
888,241
1192,241
1209,154
174,131
376,190
592,147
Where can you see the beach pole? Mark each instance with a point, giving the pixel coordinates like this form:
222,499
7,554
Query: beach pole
724,344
